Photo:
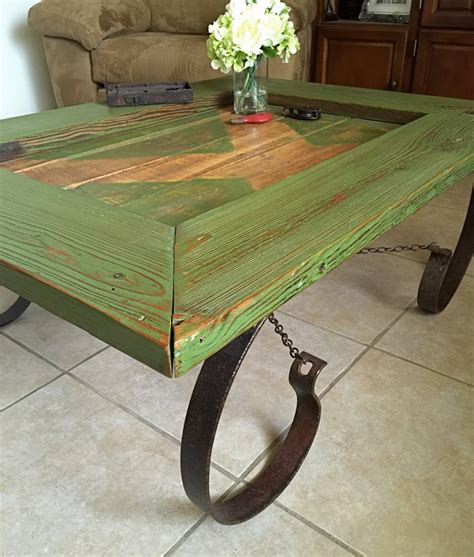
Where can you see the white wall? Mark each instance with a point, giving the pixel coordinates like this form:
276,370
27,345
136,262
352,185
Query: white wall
24,79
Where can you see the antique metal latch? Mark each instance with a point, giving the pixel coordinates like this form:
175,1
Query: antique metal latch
136,94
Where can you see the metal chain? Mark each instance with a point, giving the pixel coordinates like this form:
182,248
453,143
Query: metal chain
279,330
285,339
391,249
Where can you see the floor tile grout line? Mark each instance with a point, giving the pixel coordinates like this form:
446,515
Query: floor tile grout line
323,327
88,358
320,530
47,360
369,347
143,420
179,542
256,461
118,404
427,368
344,372
33,392
408,258
31,351
198,523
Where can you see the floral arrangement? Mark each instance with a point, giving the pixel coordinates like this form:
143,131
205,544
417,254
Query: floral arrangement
250,30
247,32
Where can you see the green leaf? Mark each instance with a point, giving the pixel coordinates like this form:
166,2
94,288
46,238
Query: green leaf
269,52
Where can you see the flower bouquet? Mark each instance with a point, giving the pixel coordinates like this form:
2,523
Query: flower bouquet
247,33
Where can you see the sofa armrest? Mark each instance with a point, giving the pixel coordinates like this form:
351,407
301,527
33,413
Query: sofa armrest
303,12
89,22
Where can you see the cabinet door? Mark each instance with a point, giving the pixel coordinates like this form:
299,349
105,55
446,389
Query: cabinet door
445,64
448,13
359,55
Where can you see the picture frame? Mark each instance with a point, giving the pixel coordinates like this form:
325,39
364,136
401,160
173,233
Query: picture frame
400,8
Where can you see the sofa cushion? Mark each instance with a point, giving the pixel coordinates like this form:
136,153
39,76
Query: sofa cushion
89,21
194,16
152,57
185,16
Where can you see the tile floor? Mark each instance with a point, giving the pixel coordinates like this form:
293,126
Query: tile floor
90,438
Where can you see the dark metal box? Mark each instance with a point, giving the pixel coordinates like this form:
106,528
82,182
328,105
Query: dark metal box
132,94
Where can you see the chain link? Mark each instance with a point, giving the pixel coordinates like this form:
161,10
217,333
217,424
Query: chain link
397,249
285,339
279,330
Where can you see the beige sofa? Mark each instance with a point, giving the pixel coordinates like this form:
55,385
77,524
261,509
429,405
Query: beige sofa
89,42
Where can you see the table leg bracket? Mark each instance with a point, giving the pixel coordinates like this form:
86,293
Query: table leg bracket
445,269
202,419
14,311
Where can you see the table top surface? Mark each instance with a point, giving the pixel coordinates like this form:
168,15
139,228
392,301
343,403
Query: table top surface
167,232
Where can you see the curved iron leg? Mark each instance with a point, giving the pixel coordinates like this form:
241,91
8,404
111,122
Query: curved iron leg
14,311
202,419
445,270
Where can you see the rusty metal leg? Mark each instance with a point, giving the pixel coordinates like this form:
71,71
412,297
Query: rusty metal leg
445,269
14,311
202,419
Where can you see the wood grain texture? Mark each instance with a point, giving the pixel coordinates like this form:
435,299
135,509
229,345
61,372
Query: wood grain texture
295,197
236,265
107,271
45,122
99,138
370,104
278,150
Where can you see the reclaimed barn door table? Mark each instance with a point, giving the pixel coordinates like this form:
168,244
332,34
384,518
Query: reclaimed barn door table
172,235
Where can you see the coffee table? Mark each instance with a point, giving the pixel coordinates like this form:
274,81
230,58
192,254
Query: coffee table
172,235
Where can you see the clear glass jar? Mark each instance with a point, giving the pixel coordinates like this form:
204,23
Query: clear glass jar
250,89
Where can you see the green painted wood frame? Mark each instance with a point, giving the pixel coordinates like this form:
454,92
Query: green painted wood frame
171,296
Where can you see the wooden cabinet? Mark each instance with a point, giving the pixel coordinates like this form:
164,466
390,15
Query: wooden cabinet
361,55
432,53
448,14
445,64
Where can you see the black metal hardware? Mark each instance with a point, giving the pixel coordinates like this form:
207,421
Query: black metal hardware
304,113
445,269
14,311
134,94
202,419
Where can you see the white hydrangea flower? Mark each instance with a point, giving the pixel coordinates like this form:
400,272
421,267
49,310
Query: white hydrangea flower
273,28
250,30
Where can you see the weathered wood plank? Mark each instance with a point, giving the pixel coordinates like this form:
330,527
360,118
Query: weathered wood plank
237,264
104,158
107,271
279,149
98,138
370,104
47,121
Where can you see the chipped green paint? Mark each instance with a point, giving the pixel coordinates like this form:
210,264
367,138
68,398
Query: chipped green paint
276,241
106,271
171,203
169,271
160,139
350,130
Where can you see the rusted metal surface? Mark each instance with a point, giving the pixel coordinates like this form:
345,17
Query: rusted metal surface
14,311
205,408
134,94
445,269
